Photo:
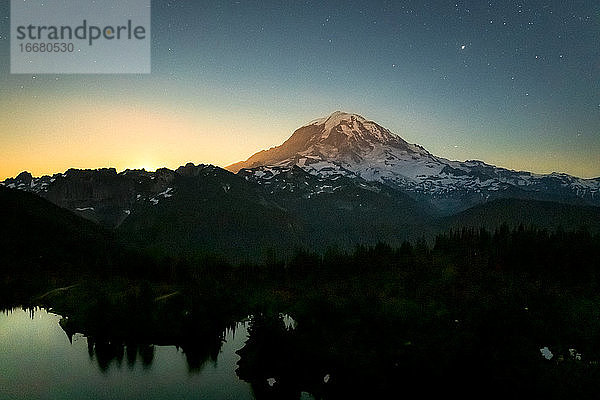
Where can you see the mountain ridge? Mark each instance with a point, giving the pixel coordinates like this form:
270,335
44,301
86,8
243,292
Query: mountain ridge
267,213
349,144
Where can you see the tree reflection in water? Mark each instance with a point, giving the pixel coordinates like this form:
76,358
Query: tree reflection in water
199,348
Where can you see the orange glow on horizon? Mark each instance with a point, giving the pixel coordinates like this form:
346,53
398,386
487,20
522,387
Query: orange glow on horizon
50,137
47,141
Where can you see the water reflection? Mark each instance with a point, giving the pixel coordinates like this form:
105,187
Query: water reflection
258,350
40,361
264,356
200,347
269,355
107,353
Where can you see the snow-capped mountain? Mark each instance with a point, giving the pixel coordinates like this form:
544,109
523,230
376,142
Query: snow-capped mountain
350,145
310,199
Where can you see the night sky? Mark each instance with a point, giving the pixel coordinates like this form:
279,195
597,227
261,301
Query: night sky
513,83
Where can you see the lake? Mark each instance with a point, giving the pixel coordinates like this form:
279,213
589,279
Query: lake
37,360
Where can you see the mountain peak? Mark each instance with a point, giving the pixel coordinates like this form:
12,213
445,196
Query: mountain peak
342,130
341,138
336,118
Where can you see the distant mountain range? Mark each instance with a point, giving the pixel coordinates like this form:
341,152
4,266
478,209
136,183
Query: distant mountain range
338,181
349,145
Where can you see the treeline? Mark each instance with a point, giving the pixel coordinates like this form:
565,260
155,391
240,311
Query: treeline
43,255
571,257
562,254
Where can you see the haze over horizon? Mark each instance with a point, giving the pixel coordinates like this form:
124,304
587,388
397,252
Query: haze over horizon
513,84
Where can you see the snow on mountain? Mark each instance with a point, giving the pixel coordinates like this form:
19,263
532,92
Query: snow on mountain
101,195
348,144
107,197
277,180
